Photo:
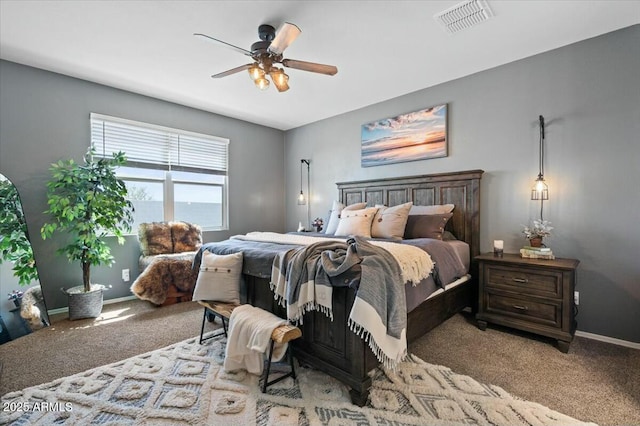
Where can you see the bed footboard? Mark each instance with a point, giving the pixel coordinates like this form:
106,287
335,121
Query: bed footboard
331,347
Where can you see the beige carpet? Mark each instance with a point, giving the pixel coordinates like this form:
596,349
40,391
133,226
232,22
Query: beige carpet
595,381
184,384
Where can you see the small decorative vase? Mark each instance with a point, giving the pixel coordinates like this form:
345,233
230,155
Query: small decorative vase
536,242
17,302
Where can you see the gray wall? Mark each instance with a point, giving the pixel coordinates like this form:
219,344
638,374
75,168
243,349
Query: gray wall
44,117
589,94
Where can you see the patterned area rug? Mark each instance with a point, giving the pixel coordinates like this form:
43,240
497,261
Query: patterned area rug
185,384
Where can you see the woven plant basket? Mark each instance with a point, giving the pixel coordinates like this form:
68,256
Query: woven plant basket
85,304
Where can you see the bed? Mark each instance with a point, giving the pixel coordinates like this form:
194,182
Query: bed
329,345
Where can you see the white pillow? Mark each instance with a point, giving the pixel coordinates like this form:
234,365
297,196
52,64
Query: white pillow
437,209
219,278
356,222
389,222
336,210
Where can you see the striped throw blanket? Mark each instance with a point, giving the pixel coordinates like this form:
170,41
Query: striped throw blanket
301,281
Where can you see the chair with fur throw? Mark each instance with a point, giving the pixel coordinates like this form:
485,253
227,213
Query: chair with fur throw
166,274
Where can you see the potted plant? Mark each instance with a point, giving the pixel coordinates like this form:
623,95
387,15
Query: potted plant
14,240
535,233
88,203
317,223
16,297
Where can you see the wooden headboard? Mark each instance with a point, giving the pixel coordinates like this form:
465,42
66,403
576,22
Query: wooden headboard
459,188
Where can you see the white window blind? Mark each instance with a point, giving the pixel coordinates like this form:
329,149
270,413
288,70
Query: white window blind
148,145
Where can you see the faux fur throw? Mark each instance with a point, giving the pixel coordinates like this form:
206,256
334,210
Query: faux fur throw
153,283
168,237
155,238
185,236
168,250
32,308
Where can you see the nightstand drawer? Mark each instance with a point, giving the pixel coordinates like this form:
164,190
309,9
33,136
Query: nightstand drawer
539,311
534,282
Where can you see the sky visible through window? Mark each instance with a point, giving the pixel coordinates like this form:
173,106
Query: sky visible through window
187,187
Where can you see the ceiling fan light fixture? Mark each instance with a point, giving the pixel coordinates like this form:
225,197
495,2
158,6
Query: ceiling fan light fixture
262,83
255,72
267,53
280,79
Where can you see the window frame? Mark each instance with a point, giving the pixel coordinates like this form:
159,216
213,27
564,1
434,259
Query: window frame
168,180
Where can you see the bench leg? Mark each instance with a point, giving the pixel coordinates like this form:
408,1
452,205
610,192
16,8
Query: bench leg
204,320
265,374
224,325
293,368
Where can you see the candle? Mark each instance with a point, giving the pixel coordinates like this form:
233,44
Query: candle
498,246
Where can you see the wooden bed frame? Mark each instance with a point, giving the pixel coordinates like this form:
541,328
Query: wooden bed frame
329,345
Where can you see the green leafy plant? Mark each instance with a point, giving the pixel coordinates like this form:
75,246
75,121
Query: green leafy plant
14,239
88,203
539,229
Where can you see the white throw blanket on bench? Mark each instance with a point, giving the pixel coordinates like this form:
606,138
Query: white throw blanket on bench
250,331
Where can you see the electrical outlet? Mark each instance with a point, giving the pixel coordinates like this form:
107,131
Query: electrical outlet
125,275
576,297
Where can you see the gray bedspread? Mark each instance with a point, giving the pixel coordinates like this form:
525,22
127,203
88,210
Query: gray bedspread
448,266
259,256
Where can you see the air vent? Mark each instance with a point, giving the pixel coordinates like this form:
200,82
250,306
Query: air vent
464,15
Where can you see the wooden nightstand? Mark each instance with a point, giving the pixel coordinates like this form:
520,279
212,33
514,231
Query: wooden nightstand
533,295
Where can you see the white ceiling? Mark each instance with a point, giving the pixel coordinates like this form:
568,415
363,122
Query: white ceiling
383,49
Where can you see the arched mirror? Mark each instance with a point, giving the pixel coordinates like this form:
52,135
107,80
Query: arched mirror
23,310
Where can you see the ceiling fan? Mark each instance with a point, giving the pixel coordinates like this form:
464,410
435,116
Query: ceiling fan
267,52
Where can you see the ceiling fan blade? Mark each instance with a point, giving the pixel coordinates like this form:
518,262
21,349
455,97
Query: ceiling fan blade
286,35
310,66
232,71
236,48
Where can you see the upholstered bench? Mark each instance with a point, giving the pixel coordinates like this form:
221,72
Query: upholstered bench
282,334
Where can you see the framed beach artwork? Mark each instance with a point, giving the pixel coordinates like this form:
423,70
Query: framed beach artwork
418,135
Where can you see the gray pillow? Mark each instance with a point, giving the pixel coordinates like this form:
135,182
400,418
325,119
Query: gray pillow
435,209
426,226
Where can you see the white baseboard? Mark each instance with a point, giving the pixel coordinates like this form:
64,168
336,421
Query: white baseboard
619,342
106,302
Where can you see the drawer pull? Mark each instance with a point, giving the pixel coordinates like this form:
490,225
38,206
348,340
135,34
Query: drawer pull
521,280
522,308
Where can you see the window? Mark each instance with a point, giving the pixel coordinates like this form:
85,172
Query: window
170,174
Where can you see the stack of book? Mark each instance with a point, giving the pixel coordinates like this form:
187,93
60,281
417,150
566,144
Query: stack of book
536,252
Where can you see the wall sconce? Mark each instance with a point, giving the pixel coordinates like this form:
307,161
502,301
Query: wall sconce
540,190
301,198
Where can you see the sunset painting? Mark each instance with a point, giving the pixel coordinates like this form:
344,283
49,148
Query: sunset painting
413,136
